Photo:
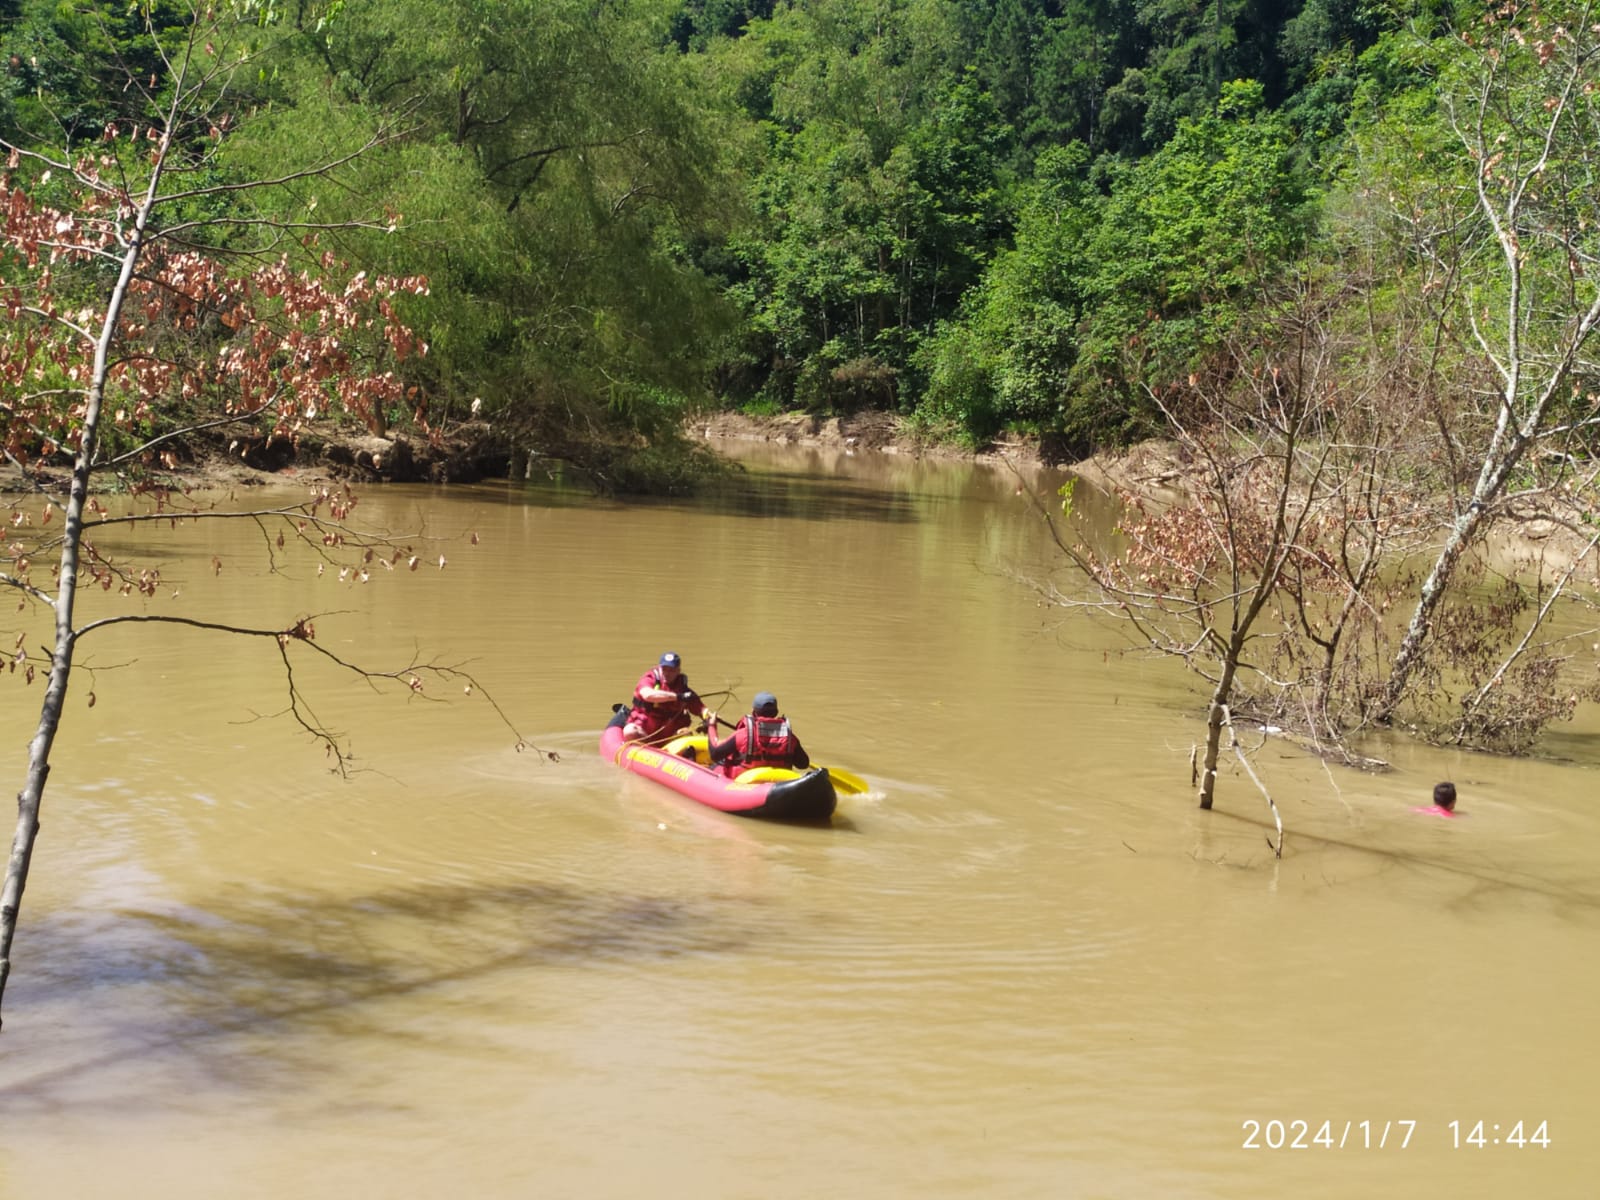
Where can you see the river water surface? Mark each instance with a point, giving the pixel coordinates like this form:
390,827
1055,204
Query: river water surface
1023,965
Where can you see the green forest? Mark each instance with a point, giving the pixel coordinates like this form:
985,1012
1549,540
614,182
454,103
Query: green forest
983,215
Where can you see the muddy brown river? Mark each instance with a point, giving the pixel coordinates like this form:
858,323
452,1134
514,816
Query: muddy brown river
1023,965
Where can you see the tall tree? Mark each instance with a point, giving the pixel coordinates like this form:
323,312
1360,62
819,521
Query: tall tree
129,328
1078,56
1006,359
1185,241
880,202
1513,251
560,171
1005,60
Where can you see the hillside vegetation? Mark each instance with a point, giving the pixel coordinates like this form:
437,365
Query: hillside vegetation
985,216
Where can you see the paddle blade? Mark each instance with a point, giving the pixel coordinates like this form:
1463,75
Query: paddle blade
845,782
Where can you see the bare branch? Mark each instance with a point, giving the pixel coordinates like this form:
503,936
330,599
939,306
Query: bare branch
1243,759
382,137
302,633
186,431
26,588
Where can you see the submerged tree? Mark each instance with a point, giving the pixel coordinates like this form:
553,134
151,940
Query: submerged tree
1262,572
144,304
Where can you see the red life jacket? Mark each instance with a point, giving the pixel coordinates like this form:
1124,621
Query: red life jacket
654,678
651,717
764,741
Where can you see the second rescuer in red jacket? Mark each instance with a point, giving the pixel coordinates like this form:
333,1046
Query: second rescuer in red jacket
762,739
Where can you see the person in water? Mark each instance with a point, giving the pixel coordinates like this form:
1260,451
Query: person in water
663,703
1444,801
762,739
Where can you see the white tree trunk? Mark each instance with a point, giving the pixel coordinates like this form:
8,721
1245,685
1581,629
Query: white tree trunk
55,693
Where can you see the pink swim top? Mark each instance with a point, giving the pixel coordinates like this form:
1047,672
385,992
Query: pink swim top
1435,810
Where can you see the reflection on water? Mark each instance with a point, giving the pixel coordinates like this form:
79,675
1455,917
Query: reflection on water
353,954
1023,965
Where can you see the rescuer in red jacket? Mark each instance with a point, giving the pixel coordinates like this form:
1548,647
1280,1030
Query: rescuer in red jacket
663,703
762,739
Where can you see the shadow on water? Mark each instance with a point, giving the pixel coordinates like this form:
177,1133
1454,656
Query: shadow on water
823,487
777,494
1577,900
1570,747
180,986
767,494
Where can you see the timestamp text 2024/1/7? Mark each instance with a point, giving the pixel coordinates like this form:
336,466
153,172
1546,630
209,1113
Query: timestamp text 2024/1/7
1388,1134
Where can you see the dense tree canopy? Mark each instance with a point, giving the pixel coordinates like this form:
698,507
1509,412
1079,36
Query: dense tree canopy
988,213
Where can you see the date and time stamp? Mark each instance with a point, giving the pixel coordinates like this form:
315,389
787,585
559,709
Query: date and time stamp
1393,1134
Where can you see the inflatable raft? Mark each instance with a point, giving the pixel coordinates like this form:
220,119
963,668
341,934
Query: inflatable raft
683,765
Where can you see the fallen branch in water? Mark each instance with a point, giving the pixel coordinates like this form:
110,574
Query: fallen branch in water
1244,760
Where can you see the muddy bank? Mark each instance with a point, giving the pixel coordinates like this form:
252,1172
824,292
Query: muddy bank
1539,538
879,432
463,453
323,453
328,452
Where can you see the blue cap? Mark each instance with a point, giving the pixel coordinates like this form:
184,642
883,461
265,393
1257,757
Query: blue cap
765,704
669,659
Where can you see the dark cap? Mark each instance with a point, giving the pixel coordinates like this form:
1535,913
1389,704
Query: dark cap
669,659
765,704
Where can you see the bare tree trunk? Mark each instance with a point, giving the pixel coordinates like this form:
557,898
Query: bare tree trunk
1428,600
55,694
1215,719
1526,155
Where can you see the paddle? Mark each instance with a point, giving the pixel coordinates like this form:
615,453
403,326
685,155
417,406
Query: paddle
844,781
